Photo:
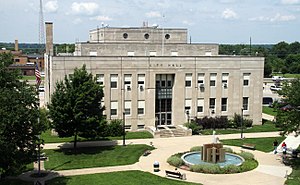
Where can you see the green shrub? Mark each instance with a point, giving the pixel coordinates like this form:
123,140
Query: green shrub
194,126
175,161
115,128
229,150
247,155
230,169
206,168
196,149
248,165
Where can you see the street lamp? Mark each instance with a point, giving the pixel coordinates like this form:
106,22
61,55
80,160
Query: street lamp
124,128
212,114
188,115
156,122
242,109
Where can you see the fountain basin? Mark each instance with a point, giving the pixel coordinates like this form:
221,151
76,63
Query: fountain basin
194,158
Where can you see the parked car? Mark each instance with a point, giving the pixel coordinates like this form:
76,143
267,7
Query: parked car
267,101
278,78
275,88
41,89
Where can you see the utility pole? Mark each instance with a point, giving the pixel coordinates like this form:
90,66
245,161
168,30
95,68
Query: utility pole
41,29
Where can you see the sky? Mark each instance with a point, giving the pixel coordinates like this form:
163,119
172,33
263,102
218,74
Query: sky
207,21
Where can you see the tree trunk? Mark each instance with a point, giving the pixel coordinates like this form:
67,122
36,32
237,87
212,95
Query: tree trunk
75,143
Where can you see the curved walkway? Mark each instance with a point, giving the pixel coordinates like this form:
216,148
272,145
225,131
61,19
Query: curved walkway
269,172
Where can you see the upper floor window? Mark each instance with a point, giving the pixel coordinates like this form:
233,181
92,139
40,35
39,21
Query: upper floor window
213,78
113,81
188,80
100,79
246,79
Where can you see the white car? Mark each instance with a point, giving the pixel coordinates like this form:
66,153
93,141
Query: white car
275,88
278,78
42,89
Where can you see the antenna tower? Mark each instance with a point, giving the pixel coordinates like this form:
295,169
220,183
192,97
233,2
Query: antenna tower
41,29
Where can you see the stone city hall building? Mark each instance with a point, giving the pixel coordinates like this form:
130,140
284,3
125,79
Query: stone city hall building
154,77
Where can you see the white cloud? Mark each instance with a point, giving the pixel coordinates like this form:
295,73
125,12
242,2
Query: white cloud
77,21
189,23
153,14
229,14
276,18
290,2
51,6
279,17
227,1
88,8
101,18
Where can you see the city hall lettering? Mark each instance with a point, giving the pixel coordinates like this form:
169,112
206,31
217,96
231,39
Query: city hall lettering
165,65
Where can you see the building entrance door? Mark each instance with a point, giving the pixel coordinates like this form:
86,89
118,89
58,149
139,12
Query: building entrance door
163,98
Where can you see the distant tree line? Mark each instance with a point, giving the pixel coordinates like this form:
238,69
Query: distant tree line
34,48
281,57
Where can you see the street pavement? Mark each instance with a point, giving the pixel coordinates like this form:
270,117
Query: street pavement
271,171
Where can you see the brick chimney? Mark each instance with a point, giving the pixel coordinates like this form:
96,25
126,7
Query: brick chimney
49,38
16,45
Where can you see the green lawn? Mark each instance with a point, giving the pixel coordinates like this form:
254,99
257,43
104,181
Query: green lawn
287,75
268,126
14,182
48,138
269,110
294,177
30,78
64,159
261,144
116,178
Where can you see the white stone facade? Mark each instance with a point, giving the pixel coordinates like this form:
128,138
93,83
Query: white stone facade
164,83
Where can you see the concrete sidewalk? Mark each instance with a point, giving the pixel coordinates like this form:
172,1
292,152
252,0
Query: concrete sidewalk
269,172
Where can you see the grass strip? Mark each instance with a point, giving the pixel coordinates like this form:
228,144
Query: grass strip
262,144
65,159
117,178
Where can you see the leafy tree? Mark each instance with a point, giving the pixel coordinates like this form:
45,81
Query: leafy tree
19,126
289,119
281,49
76,107
267,69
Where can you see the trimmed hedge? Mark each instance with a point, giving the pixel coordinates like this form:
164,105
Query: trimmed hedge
195,149
175,161
249,164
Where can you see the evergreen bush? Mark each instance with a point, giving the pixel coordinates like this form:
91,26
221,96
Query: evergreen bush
175,161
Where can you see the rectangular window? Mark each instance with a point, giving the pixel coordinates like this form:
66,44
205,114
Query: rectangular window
127,82
93,53
212,103
188,80
200,80
245,103
213,78
130,53
224,104
152,53
141,107
188,104
127,108
100,79
200,105
174,53
246,78
225,80
141,82
114,108
17,60
113,81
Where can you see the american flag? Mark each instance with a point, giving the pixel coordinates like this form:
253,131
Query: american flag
37,75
